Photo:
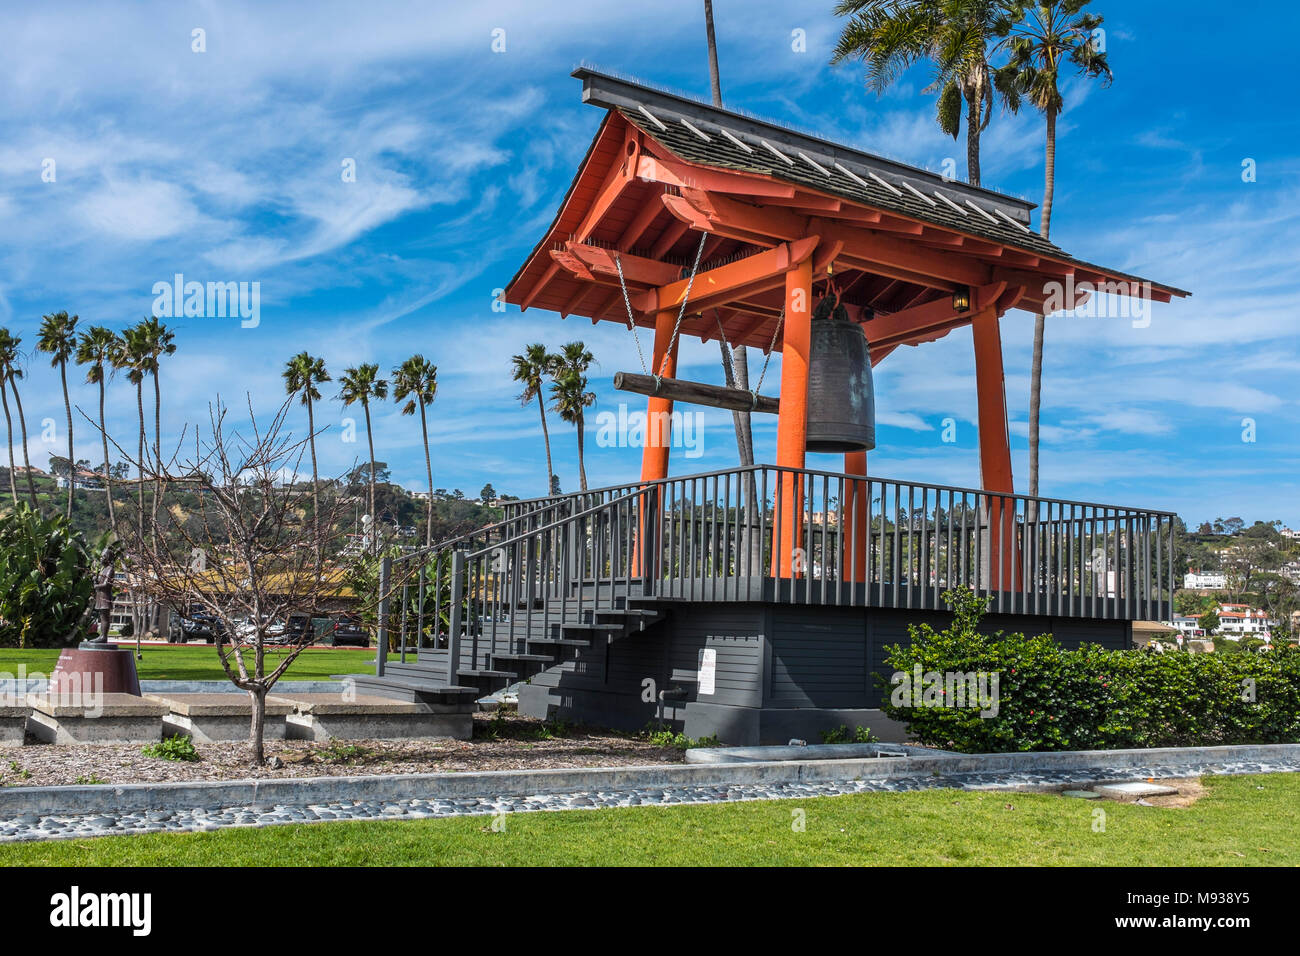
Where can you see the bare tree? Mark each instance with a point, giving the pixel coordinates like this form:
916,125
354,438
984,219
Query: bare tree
250,560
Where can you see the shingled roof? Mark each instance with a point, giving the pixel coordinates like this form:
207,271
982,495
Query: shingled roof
700,133
668,179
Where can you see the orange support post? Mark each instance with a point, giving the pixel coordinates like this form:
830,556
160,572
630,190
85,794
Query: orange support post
658,429
995,448
659,411
857,518
792,420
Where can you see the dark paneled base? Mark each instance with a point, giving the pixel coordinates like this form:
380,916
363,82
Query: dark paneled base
750,726
758,673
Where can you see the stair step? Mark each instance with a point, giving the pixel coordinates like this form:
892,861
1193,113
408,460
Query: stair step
559,641
473,673
413,688
526,658
594,627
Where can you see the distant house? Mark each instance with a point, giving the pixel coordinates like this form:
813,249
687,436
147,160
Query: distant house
1187,625
81,478
1205,581
1241,620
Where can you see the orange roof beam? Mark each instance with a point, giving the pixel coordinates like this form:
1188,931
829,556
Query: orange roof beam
734,280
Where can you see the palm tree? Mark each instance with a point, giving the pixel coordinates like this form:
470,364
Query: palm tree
10,373
361,384
889,36
96,348
569,395
531,369
157,341
416,380
58,338
302,374
131,354
1042,39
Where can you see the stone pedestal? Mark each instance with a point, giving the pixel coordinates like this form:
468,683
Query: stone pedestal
211,718
325,717
76,671
106,719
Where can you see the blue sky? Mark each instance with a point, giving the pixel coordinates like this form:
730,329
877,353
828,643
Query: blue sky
225,166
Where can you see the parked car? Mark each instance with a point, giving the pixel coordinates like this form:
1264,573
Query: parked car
199,625
348,630
298,629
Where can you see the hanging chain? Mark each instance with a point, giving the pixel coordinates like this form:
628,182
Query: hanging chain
681,313
771,346
631,322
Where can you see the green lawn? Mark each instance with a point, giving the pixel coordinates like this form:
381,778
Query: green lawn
1241,821
199,662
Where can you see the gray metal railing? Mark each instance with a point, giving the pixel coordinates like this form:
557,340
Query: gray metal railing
770,534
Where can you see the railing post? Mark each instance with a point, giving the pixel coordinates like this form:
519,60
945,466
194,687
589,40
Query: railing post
650,525
455,614
381,652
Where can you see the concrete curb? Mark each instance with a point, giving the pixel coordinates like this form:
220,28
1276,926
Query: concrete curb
306,791
12,687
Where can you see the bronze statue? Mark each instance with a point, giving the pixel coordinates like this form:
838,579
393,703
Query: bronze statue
103,600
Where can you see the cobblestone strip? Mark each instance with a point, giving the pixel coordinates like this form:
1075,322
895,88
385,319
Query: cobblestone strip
32,826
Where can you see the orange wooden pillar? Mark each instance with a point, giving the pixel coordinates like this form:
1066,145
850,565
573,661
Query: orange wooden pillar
995,448
659,411
857,519
792,420
658,431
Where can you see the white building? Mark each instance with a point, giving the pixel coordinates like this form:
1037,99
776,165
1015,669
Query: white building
1187,625
1238,620
1205,581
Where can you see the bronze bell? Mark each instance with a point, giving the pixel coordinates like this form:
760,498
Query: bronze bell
841,398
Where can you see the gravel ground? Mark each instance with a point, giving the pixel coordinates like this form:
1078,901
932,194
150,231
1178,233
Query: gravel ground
516,743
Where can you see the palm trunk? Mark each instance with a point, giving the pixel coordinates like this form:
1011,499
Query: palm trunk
972,138
140,609
736,366
103,434
714,83
67,410
22,425
374,522
315,484
9,428
428,467
1035,400
546,437
157,447
1040,320
1049,177
582,467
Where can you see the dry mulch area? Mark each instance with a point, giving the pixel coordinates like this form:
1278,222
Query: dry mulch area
512,743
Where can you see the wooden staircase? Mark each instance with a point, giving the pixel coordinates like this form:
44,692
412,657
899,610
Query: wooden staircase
548,644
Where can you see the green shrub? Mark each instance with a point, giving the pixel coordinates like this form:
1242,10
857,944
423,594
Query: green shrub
663,736
1051,698
45,580
841,735
177,747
